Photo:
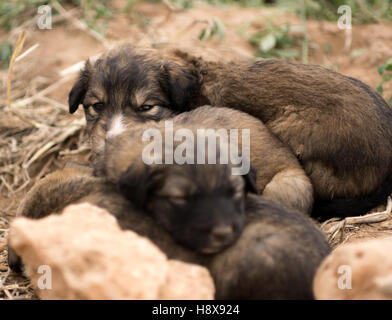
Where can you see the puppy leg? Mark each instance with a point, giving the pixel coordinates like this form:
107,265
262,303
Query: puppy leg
292,188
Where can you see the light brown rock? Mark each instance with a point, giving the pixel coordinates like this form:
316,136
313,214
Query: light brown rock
187,281
90,257
365,266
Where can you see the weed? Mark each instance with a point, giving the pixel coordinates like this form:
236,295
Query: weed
385,72
275,41
214,27
6,49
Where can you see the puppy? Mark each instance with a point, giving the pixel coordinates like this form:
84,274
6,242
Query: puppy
275,257
129,86
278,174
339,128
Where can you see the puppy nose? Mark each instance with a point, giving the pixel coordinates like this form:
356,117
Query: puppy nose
222,233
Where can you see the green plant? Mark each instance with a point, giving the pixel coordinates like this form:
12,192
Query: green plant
242,3
385,72
13,13
214,27
95,13
185,4
6,49
275,41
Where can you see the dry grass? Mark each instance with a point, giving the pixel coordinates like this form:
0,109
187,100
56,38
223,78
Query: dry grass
372,225
37,135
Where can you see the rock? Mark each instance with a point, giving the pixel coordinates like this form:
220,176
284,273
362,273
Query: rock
83,254
359,270
187,281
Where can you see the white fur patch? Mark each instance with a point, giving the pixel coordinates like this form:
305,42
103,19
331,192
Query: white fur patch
117,126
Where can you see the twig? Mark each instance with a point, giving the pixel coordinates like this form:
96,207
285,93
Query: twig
15,54
375,217
27,52
54,86
171,6
7,185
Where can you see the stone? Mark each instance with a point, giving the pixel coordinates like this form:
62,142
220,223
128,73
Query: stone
187,281
83,254
359,270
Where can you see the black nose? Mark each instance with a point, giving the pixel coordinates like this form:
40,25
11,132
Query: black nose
222,234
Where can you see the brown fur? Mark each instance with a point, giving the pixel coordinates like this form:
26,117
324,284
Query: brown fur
339,128
125,78
275,257
279,176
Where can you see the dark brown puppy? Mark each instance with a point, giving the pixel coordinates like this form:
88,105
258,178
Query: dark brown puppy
339,128
279,176
275,257
130,85
127,85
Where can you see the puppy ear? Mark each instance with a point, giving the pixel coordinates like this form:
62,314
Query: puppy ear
191,61
251,181
79,89
181,85
137,182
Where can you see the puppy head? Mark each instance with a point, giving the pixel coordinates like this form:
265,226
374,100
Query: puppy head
128,85
202,206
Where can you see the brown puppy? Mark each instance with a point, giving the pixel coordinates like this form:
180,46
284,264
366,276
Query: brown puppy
339,128
279,176
275,257
129,85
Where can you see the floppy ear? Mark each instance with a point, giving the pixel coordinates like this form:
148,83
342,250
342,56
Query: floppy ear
251,181
79,89
137,182
181,85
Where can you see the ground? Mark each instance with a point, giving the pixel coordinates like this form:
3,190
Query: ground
38,135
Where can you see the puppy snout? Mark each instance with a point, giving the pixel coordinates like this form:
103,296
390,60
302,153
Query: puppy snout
222,234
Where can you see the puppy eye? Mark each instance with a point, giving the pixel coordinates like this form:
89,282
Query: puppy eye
98,107
144,108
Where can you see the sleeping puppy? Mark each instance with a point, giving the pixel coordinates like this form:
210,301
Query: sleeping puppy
339,128
275,257
127,86
244,141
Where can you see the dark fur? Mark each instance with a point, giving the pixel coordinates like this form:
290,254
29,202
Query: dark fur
339,128
202,206
125,78
206,217
275,257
